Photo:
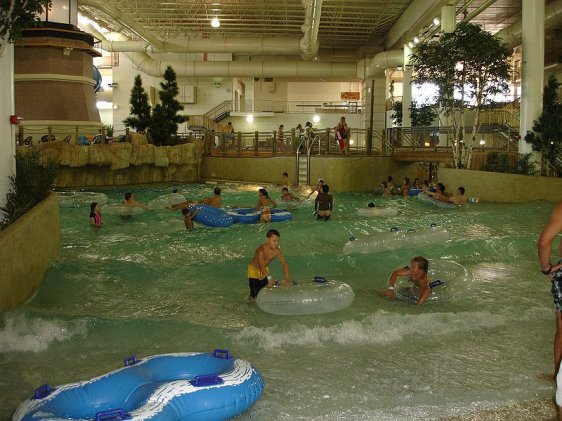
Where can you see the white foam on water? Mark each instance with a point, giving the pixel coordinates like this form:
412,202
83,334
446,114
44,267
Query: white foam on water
21,333
381,328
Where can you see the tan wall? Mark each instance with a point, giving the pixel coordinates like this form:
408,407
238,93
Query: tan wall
342,174
500,187
26,248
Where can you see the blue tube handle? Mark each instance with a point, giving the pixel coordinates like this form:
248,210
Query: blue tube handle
42,391
113,414
206,380
222,354
132,360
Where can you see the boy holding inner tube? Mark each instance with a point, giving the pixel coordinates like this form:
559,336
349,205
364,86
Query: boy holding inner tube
417,274
258,270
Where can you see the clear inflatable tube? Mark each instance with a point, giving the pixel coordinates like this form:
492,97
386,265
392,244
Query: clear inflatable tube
426,198
377,212
162,202
307,297
120,209
70,199
396,238
455,281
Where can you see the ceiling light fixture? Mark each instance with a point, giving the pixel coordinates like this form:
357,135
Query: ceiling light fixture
436,21
215,22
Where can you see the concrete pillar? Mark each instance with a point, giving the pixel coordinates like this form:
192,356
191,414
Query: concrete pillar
7,130
532,69
448,21
407,89
379,110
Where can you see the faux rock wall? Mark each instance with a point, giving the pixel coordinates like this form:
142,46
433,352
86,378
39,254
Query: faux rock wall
110,164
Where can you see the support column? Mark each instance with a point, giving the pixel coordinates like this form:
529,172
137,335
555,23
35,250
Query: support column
532,69
7,130
379,110
407,89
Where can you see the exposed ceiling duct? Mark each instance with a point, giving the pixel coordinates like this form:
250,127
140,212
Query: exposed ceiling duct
281,69
307,46
384,60
552,17
309,43
124,19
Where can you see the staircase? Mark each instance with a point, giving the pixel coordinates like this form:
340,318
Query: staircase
303,169
304,149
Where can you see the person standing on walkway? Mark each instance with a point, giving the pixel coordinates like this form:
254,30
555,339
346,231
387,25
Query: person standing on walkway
554,273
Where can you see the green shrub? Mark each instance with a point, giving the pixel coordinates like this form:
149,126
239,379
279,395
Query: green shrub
31,184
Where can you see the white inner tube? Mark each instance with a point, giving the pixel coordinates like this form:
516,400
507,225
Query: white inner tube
162,202
307,297
424,197
377,212
121,210
69,199
456,279
392,240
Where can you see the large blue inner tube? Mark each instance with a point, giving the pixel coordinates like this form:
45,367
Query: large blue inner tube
211,216
155,388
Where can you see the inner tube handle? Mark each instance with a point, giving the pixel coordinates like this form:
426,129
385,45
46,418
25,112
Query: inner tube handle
132,360
223,354
113,414
394,229
42,391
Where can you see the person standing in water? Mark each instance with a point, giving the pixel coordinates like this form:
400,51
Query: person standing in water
264,205
130,201
188,217
258,270
95,215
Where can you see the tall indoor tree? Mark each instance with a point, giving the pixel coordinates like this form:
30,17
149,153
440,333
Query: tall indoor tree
165,117
469,67
139,118
546,136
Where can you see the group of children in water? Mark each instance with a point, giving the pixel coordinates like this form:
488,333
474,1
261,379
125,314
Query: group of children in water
437,191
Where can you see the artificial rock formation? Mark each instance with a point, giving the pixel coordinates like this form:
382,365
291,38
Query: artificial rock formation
124,163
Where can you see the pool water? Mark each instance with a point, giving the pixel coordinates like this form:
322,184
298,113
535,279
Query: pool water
147,286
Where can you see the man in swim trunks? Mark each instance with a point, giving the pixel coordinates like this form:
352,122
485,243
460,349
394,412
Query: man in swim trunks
258,271
458,198
554,272
417,274
215,201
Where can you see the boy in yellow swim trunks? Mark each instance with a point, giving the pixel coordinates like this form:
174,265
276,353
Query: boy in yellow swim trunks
258,271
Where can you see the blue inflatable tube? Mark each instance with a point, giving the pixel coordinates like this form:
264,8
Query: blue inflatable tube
252,216
414,192
211,216
186,386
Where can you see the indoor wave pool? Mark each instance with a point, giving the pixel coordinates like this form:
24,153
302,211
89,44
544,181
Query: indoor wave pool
145,285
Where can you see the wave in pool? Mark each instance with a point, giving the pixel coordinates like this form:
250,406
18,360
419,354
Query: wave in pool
24,333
